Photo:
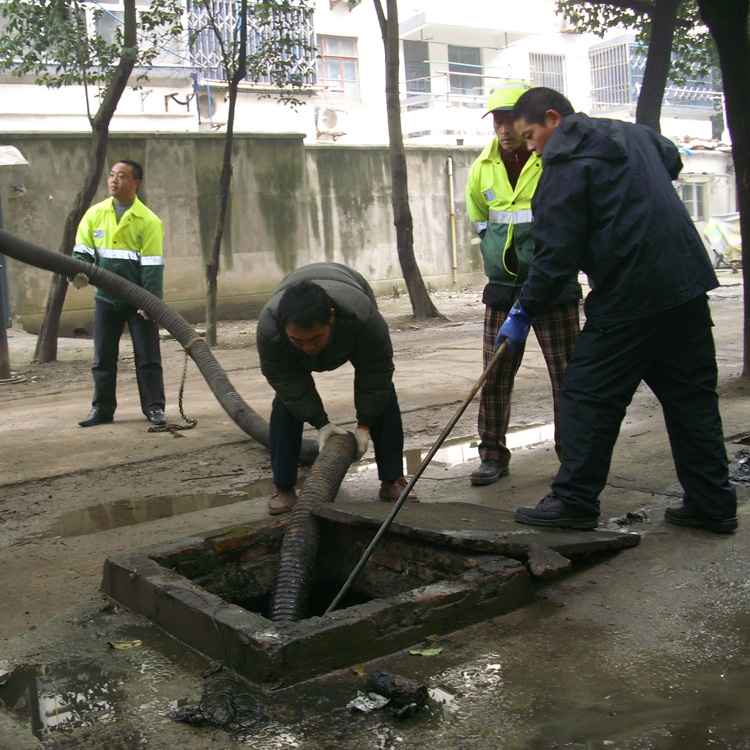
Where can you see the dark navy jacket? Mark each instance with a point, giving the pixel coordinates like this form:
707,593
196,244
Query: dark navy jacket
606,205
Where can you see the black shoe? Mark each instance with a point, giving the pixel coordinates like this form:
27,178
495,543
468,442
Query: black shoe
95,417
552,511
156,416
489,471
683,517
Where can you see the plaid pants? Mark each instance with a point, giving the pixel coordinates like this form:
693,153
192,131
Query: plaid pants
556,331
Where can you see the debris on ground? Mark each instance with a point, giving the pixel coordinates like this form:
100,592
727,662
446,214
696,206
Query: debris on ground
405,696
367,702
741,471
225,704
639,516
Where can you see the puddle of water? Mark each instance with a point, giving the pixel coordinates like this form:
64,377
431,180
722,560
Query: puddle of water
106,516
64,695
461,450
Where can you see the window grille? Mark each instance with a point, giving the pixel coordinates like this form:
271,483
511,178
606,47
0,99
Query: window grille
205,48
547,70
610,75
617,75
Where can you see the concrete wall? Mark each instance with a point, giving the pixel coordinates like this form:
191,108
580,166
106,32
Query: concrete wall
292,205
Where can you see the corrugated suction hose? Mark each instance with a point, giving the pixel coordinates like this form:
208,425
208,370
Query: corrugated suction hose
242,414
299,549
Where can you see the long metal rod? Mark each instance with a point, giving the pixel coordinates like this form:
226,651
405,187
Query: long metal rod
418,473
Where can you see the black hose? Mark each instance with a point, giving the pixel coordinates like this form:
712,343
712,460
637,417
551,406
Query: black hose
299,549
242,414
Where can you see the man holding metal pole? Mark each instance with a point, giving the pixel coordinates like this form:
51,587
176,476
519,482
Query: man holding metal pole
501,184
606,205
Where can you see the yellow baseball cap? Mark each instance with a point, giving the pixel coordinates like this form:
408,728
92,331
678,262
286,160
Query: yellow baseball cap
505,95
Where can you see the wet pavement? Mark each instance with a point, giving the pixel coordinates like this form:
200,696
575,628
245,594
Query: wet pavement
642,649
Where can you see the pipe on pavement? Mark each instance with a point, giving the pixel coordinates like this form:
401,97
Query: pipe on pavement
242,414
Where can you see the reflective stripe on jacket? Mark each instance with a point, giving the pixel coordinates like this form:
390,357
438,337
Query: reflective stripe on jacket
131,248
502,215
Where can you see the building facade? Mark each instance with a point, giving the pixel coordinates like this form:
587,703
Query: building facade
332,145
450,60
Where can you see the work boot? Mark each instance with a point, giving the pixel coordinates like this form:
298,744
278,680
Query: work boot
391,491
489,472
683,516
551,511
156,416
95,417
282,500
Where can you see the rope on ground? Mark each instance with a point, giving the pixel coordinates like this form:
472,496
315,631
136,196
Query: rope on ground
225,702
174,428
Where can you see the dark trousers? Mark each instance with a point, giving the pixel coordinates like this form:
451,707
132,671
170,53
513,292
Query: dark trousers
673,353
285,433
109,324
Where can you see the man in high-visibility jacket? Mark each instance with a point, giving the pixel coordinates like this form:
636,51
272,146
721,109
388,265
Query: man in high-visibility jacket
123,236
501,184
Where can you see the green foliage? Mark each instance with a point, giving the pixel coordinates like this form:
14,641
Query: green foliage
693,51
280,52
50,40
598,17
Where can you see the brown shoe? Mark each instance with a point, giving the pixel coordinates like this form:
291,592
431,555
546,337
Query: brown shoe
282,500
391,491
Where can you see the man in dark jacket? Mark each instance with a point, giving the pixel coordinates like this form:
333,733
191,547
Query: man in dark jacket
606,205
320,317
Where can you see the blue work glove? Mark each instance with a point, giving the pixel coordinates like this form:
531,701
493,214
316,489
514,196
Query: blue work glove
515,328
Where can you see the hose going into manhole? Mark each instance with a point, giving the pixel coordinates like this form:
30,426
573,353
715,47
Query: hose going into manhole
299,550
242,414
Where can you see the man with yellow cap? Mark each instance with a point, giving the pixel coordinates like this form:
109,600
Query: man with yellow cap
501,184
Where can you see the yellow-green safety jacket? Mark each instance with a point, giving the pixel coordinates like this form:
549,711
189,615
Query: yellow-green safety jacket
131,248
501,215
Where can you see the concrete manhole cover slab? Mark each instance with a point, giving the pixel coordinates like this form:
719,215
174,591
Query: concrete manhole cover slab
439,568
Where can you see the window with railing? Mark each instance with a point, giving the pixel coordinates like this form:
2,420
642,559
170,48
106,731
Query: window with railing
338,68
210,29
465,71
547,70
617,74
417,72
610,75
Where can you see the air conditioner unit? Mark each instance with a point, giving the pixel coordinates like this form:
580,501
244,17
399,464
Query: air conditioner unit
212,107
331,121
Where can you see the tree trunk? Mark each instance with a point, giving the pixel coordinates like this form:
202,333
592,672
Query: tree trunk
225,182
421,304
727,21
658,62
46,344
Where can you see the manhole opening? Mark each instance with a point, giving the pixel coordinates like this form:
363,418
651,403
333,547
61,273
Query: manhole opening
430,576
241,567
